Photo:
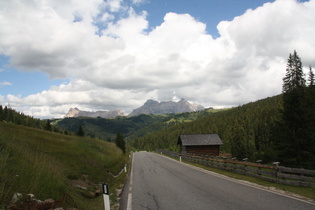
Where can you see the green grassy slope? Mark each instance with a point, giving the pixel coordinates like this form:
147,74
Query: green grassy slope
49,165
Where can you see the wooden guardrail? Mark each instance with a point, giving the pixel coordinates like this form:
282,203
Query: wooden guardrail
277,174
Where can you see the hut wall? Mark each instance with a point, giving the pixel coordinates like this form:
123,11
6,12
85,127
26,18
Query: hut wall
183,149
213,150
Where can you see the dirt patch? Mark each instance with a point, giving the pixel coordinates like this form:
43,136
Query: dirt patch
87,187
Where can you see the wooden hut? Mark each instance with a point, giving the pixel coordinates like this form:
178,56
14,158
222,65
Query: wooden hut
201,144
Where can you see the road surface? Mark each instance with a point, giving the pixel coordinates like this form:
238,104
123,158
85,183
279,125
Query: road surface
157,182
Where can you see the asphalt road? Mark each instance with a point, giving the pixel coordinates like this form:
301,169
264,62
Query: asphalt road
157,182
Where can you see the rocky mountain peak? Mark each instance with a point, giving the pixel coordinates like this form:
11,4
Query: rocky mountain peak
75,112
150,102
155,107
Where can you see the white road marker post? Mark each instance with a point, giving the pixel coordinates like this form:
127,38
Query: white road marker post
180,158
125,168
106,197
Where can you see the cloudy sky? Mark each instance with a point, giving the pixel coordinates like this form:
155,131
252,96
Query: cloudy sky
116,54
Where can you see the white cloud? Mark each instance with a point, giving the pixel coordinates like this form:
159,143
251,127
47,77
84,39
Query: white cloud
114,5
138,2
122,65
5,83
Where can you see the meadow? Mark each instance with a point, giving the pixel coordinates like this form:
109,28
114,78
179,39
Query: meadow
51,165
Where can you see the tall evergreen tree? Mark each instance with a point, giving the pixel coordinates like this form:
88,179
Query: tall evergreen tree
294,77
80,131
120,142
309,106
294,143
311,77
48,126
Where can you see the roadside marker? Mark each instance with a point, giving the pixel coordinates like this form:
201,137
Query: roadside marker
106,197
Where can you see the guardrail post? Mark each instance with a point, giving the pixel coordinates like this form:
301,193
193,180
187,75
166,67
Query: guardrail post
277,170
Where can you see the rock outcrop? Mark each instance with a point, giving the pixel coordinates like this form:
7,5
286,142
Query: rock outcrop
154,107
75,112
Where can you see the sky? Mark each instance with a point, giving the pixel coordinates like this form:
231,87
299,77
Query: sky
116,54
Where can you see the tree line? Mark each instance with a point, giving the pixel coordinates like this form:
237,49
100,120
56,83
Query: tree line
9,115
279,128
296,132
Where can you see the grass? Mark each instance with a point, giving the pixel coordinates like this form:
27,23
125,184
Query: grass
308,192
49,165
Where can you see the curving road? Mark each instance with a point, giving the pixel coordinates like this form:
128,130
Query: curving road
158,182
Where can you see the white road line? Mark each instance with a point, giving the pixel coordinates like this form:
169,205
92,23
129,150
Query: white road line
129,203
247,183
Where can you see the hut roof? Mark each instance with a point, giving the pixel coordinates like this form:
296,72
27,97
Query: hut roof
199,140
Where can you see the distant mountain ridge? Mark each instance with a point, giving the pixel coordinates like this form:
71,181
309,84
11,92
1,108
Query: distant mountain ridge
155,107
149,107
75,112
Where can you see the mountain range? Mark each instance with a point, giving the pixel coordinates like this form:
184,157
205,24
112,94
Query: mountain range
75,112
149,107
154,107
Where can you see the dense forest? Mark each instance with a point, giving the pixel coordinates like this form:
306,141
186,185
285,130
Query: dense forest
279,128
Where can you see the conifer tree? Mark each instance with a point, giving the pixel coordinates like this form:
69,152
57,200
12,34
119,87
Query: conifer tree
80,131
120,142
294,77
48,126
294,143
311,78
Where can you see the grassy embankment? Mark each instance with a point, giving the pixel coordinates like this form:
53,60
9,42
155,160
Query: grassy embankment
49,165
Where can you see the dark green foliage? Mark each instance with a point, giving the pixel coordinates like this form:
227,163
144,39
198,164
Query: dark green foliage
48,126
120,142
295,138
80,131
311,77
294,77
9,115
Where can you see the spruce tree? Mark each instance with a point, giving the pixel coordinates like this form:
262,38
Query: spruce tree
48,126
80,131
309,106
294,144
311,78
294,77
120,142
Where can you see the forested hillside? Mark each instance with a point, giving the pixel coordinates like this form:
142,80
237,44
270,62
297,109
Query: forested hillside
129,127
245,130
